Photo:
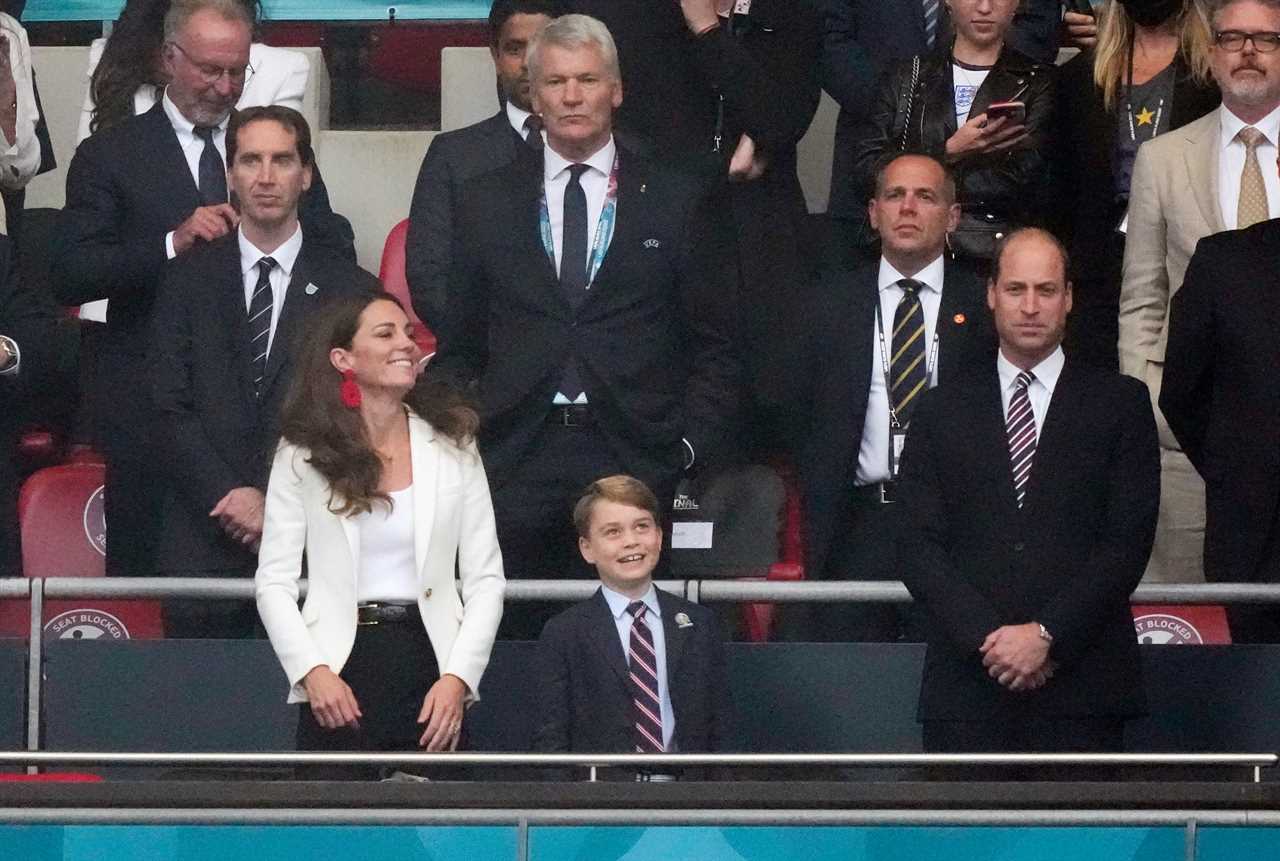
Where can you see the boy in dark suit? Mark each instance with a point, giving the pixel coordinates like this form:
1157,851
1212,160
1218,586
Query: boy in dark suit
631,669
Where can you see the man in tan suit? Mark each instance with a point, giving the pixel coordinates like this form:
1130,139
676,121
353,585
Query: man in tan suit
1217,173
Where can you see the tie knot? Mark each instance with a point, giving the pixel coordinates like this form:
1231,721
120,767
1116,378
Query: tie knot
1251,137
637,609
266,264
533,124
1024,380
910,286
576,171
205,133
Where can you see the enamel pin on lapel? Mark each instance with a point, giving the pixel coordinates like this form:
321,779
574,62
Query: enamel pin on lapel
959,319
683,620
311,289
651,243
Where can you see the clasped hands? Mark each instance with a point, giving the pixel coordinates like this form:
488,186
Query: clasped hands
1017,657
333,704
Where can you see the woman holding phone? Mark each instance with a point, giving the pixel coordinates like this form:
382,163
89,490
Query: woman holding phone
1148,74
981,107
377,484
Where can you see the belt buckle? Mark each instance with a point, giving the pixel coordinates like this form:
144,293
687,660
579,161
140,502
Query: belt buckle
566,417
365,623
886,493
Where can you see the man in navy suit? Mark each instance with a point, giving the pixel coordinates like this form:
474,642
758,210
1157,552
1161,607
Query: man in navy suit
1030,486
138,195
632,669
228,318
457,156
589,309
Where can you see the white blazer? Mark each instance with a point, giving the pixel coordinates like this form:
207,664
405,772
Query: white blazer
453,521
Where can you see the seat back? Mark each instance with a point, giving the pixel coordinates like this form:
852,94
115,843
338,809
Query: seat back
64,534
391,274
1181,625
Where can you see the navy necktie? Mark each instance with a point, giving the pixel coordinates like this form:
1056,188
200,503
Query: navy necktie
260,321
213,170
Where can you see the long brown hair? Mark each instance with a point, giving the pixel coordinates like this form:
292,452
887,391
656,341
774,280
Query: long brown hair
315,418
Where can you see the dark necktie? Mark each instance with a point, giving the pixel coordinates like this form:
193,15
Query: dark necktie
1021,429
642,678
260,321
908,371
573,246
533,132
213,170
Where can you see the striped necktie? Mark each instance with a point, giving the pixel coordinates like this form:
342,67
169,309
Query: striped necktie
931,10
908,371
1021,429
260,321
642,679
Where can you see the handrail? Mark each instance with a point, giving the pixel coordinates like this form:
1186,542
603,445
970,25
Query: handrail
706,591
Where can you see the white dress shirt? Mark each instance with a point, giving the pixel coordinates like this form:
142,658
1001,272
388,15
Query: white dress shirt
20,157
595,184
285,257
192,149
1231,163
873,456
653,618
1040,392
518,117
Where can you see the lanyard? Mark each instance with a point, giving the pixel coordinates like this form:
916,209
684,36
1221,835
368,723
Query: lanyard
930,364
604,227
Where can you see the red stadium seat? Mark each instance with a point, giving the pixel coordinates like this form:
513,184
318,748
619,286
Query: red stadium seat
409,56
60,516
56,777
391,273
1181,625
757,619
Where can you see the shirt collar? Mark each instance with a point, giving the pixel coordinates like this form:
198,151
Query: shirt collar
517,117
618,602
1046,373
183,126
554,164
930,276
285,256
1232,124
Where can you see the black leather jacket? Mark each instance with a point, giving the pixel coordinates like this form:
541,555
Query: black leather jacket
996,192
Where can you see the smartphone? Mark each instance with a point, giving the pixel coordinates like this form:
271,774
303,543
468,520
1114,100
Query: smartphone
1014,112
1084,7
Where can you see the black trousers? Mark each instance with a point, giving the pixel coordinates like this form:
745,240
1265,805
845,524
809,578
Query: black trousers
186,618
533,508
390,670
134,486
1022,734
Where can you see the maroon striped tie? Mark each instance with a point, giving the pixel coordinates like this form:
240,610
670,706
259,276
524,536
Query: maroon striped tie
642,678
1021,428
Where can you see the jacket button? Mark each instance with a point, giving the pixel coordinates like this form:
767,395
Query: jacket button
999,236
426,594
1019,547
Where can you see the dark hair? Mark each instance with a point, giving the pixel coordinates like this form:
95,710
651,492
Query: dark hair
285,116
502,10
622,489
882,164
1003,242
131,59
314,417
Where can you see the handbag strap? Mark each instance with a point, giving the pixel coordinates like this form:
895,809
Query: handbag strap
911,100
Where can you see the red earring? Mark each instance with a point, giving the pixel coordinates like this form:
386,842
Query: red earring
350,391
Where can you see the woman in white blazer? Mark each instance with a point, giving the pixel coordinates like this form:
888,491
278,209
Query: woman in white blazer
378,489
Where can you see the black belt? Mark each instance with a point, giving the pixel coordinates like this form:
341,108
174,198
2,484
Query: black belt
881,493
571,415
382,612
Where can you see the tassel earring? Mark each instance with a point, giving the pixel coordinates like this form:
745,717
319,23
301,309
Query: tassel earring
350,391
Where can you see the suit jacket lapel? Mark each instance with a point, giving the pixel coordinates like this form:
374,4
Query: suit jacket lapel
630,181
603,632
503,139
989,419
528,232
1202,168
236,319
423,454
293,312
675,637
169,165
1055,438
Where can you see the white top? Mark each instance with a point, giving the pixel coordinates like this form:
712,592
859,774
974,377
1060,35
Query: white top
285,257
387,571
20,158
873,455
595,184
653,618
965,84
1231,163
1040,392
517,117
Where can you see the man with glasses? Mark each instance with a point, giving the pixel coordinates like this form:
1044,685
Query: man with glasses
139,194
1215,174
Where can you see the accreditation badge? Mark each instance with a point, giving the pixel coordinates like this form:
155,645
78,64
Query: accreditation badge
897,441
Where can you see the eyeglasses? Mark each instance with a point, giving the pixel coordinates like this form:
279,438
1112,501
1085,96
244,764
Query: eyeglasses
1233,41
211,74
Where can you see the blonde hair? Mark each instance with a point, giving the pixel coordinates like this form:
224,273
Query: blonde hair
1115,42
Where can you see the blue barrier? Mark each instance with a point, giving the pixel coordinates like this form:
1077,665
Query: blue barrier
281,10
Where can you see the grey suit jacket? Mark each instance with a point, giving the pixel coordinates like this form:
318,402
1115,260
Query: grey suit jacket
452,159
1173,204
